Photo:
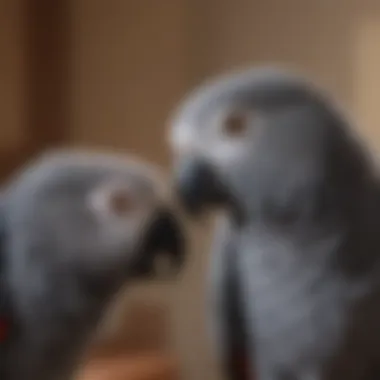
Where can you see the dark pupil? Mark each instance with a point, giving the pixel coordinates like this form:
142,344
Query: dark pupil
235,124
120,203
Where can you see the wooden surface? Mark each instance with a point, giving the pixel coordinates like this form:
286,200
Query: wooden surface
136,350
130,367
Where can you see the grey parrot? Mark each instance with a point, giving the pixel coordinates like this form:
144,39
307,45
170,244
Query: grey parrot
75,226
295,266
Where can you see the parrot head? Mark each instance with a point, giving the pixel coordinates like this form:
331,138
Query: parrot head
92,211
261,138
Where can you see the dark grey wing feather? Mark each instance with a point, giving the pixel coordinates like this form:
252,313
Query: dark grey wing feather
226,314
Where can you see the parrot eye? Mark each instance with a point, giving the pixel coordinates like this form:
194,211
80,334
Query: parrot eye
235,124
114,200
120,203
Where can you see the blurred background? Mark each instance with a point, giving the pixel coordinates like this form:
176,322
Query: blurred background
107,73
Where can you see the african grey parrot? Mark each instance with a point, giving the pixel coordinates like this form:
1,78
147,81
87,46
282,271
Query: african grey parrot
295,267
75,226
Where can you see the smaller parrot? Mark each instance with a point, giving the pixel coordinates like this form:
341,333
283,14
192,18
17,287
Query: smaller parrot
75,225
295,262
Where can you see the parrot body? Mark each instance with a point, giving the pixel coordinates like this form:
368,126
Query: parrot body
77,226
301,242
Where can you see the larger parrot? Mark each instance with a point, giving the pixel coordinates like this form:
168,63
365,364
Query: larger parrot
295,270
75,226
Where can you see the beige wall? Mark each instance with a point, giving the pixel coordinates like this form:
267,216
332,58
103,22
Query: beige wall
133,59
130,66
11,74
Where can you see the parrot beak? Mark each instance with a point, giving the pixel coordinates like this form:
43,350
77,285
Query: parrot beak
165,237
197,186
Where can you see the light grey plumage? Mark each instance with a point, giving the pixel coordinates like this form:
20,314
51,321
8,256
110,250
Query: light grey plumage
302,196
78,225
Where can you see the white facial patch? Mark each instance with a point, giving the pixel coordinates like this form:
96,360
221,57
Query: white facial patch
116,202
209,143
226,148
227,154
183,139
101,201
121,211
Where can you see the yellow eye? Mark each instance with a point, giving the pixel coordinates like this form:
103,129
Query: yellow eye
235,124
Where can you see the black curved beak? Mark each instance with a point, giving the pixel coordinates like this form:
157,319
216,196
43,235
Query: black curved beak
198,187
165,237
